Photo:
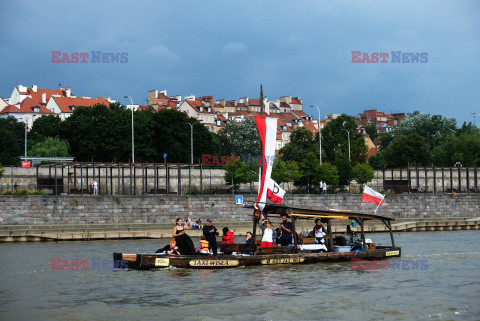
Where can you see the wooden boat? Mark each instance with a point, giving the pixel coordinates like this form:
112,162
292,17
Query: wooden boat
251,255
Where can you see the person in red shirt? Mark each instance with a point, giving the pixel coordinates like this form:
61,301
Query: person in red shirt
228,236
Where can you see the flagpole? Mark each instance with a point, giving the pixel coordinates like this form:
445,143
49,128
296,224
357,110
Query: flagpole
378,207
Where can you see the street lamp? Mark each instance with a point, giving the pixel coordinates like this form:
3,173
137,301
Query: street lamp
474,122
348,133
133,140
191,142
26,129
319,134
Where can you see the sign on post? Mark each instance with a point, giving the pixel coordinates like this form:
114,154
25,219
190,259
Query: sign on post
26,164
239,200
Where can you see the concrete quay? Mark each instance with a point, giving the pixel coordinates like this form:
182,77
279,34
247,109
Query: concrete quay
87,232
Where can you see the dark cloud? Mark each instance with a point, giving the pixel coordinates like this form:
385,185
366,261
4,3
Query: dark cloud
227,48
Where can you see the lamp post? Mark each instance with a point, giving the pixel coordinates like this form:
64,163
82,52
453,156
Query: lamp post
348,133
474,122
133,140
26,129
191,142
319,134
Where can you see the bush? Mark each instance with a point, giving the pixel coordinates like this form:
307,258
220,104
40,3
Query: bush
24,191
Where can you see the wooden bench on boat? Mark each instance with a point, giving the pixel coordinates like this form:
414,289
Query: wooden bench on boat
239,248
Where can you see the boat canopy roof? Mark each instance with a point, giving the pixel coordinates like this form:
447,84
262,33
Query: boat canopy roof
308,213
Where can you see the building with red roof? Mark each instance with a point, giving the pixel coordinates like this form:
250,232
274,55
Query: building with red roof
65,106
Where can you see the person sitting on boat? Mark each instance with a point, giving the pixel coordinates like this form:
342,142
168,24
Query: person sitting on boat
228,236
249,239
319,232
269,234
204,245
286,228
184,242
170,248
210,232
173,250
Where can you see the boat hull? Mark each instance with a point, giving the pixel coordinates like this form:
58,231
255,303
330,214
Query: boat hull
156,261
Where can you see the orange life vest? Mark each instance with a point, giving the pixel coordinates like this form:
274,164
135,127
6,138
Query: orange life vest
204,245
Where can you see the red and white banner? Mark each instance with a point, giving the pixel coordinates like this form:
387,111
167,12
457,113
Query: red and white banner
267,128
369,195
275,192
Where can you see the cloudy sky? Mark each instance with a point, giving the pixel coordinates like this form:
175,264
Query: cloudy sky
228,48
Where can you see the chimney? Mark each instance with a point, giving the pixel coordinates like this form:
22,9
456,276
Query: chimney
68,92
44,98
266,105
34,88
164,92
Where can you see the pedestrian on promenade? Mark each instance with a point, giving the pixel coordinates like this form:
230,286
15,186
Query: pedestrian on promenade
95,187
324,188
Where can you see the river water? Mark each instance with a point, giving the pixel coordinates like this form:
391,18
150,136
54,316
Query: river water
444,286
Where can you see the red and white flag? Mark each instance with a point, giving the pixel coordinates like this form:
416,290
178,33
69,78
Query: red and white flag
267,128
275,192
369,195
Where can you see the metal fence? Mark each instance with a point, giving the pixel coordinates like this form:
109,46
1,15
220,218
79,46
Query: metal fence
186,179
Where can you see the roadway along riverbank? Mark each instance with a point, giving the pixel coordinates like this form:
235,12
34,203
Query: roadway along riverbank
83,232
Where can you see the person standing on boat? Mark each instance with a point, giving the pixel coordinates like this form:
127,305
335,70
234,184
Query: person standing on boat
184,242
210,232
269,234
319,232
286,228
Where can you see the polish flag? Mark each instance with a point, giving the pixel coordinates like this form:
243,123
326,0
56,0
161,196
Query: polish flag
274,192
267,128
369,195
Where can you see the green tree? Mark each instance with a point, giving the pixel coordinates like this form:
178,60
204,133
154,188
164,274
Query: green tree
363,173
327,173
172,136
344,167
377,161
46,126
99,133
406,150
385,140
286,172
433,129
335,141
50,147
464,149
240,138
300,145
371,131
308,168
467,128
237,172
11,140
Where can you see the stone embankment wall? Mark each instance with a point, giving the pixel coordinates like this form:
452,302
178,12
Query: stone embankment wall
89,209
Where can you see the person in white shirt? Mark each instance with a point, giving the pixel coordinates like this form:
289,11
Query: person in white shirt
269,234
319,232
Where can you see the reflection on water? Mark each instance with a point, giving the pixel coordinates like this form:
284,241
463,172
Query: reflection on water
448,290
